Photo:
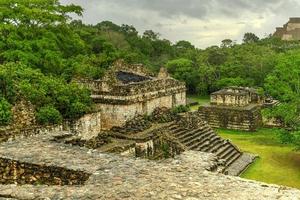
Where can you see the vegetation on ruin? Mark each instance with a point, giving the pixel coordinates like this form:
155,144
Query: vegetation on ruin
278,163
5,111
42,52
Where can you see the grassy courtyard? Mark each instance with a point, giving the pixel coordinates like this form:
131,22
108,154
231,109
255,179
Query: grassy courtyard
200,99
278,164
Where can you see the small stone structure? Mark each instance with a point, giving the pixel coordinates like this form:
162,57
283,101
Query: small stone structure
234,108
290,30
129,90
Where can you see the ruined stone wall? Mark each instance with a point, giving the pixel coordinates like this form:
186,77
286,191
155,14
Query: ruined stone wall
15,172
230,100
86,127
118,114
143,87
230,118
9,134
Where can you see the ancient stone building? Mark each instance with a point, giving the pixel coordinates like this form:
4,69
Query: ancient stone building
233,108
290,30
129,90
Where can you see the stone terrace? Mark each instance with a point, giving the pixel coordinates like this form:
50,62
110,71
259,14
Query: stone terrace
113,177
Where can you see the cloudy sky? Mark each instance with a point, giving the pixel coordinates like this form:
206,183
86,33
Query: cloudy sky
202,22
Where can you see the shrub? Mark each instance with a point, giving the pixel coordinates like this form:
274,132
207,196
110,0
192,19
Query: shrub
286,137
5,112
180,109
76,110
48,115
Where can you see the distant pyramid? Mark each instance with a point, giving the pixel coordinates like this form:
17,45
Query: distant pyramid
290,30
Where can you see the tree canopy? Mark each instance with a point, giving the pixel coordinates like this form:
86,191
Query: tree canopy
42,52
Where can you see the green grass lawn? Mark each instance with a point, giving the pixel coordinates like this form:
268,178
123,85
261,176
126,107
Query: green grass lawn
278,164
201,99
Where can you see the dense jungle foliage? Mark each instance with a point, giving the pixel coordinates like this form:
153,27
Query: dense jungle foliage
42,50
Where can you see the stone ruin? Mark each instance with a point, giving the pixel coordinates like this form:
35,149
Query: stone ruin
78,161
234,108
38,167
129,90
290,30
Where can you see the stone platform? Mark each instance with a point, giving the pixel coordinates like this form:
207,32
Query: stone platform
247,118
115,177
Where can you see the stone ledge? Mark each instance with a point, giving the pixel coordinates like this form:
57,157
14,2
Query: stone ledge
241,164
114,177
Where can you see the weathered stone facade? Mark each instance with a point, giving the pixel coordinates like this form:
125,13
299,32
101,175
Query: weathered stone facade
290,30
16,172
86,127
128,90
234,108
235,96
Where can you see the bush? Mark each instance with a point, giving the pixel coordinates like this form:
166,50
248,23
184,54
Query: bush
48,115
286,137
180,109
5,112
76,110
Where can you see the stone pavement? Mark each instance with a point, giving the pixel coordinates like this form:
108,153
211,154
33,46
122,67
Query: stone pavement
114,177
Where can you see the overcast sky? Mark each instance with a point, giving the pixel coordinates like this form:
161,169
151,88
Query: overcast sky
202,22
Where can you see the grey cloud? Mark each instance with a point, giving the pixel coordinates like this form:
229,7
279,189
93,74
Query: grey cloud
178,19
200,9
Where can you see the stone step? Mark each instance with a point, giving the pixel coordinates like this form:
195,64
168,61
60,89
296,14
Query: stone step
240,164
226,153
233,158
187,134
212,142
215,140
201,143
231,155
215,143
206,148
180,133
223,149
217,146
192,135
201,139
206,140
202,146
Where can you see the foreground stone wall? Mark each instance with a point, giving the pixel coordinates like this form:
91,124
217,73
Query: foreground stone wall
185,177
247,119
15,172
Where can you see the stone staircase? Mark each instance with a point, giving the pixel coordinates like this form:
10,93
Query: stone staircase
206,140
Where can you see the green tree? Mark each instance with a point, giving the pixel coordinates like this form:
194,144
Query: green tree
5,112
184,69
227,43
48,115
151,35
284,84
250,38
35,12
